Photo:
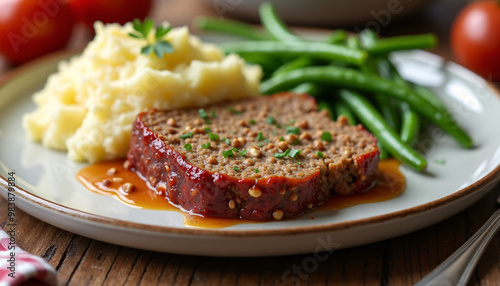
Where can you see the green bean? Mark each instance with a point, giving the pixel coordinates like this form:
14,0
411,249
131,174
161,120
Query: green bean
293,65
374,122
390,114
342,109
410,125
387,68
307,88
337,37
232,27
368,37
385,103
275,25
387,45
314,50
410,122
350,78
384,153
429,96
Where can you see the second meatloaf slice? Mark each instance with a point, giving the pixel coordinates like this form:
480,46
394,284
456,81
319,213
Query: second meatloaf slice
260,158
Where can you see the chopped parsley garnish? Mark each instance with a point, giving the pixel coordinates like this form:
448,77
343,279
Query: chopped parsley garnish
261,137
282,139
188,147
227,153
298,163
440,161
186,135
281,155
205,145
260,144
296,142
236,168
207,129
290,153
256,170
270,120
243,152
212,113
326,136
227,141
234,111
319,154
159,46
292,130
294,153
252,121
213,136
204,115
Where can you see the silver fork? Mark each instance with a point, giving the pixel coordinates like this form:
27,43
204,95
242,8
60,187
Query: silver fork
458,268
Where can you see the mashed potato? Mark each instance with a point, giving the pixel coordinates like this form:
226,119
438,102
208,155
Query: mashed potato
88,106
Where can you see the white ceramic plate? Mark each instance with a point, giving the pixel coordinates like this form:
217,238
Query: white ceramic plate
48,190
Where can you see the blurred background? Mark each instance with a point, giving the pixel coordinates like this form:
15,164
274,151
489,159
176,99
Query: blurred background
387,17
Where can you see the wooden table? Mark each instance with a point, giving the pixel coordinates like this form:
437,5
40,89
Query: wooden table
399,261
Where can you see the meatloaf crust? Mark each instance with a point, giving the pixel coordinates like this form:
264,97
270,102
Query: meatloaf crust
260,158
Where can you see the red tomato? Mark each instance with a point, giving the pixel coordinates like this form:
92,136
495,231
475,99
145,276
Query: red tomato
31,28
475,38
109,11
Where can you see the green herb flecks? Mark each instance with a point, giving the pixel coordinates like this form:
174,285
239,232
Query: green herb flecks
319,154
270,120
234,111
227,153
260,137
188,147
204,115
292,130
326,136
159,46
294,153
236,168
282,155
213,136
205,145
440,161
186,135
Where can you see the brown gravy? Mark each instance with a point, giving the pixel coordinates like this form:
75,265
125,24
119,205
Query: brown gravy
109,178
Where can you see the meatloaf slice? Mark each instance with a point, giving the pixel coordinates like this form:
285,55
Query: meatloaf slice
259,158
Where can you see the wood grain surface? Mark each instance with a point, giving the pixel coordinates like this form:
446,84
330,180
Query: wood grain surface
399,261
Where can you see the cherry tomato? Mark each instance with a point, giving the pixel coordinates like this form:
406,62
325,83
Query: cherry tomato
475,38
109,11
31,28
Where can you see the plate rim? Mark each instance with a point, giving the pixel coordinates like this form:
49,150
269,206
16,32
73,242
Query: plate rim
223,232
